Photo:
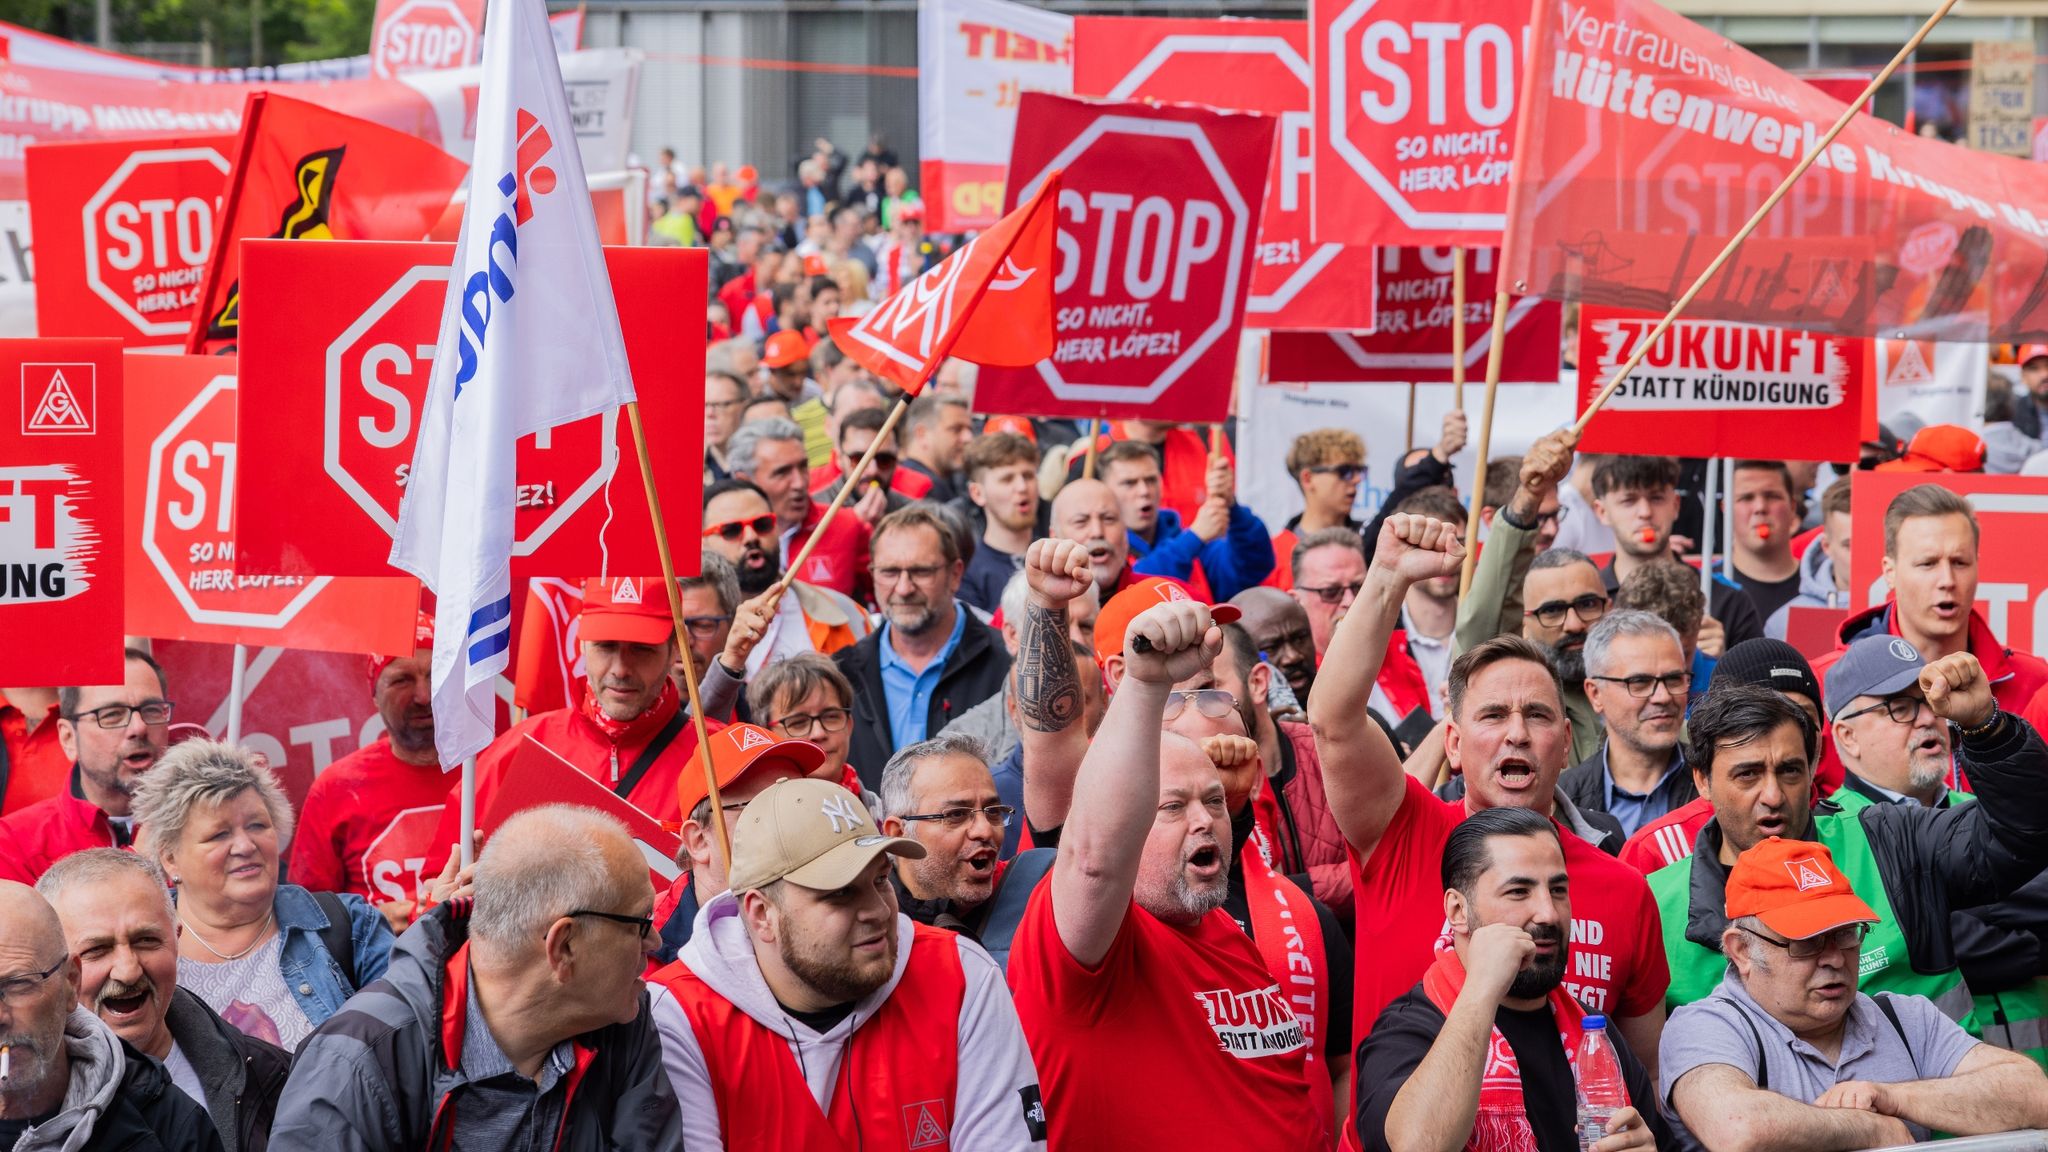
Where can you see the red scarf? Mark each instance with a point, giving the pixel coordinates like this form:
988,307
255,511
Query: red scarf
1289,936
640,729
1502,1123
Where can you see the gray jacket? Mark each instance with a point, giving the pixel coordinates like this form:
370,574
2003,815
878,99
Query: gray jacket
118,1100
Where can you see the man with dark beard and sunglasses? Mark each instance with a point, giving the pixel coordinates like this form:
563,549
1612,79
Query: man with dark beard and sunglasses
1478,1054
808,1012
1565,598
739,526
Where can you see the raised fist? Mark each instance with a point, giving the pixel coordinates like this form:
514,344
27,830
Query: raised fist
1415,548
1548,461
1958,690
1179,638
1057,571
1228,750
1452,441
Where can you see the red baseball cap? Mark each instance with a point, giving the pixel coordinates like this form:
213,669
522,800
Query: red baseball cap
633,609
1940,448
1794,887
2029,351
911,211
422,637
814,265
1019,425
785,348
739,749
1116,616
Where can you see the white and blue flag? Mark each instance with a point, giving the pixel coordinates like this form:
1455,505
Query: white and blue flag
529,339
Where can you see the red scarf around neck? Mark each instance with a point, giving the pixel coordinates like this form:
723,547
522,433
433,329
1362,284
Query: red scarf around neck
640,729
1289,937
1502,1123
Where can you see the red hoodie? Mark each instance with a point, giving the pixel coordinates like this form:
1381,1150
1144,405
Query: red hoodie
45,832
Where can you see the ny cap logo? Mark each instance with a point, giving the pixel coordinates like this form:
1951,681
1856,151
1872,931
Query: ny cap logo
50,405
1806,873
843,813
534,178
749,738
626,590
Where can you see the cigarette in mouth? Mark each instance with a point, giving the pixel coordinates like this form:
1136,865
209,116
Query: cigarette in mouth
6,1054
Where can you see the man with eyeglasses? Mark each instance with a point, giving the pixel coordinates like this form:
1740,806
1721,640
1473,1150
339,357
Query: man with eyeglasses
1787,1053
1636,680
1329,570
1565,600
725,401
876,495
739,526
770,454
112,736
811,1013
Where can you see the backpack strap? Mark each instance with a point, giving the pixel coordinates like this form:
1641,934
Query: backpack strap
338,937
1020,879
649,755
1884,1004
1763,1062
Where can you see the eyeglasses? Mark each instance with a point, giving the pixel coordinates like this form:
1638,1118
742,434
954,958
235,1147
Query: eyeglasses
1215,703
17,991
798,724
1901,709
1646,686
1588,608
1554,517
998,815
742,402
1334,593
1348,473
705,625
922,574
644,923
884,461
154,713
1847,936
763,525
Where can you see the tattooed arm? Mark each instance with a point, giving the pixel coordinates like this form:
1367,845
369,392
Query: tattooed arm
1048,689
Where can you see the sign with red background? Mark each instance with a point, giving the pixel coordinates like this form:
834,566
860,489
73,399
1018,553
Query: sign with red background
425,36
1159,215
61,516
1257,66
2012,554
338,346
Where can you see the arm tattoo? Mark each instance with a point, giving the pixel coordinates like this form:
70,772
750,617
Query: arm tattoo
1048,685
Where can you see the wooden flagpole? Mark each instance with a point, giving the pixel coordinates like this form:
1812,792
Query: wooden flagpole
1493,355
797,563
1088,462
1458,327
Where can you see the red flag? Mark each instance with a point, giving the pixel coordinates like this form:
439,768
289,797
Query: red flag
936,315
303,172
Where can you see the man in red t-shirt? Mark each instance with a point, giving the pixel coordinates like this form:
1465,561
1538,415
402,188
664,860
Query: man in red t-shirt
33,766
368,823
1153,1019
1507,731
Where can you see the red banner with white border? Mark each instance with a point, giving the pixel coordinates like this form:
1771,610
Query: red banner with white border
975,61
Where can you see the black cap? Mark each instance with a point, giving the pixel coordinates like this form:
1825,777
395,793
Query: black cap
1769,663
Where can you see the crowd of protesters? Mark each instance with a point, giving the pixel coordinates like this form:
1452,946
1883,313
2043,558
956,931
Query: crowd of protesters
1061,801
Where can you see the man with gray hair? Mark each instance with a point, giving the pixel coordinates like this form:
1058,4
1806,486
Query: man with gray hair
1636,680
119,925
991,722
506,1019
771,454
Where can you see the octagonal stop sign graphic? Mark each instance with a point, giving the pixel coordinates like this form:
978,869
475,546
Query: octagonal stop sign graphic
424,35
1158,214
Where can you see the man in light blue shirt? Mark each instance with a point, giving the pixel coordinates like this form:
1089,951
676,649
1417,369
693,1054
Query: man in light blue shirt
1637,680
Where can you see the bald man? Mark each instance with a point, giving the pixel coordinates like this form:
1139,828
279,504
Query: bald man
1086,512
1280,629
64,1073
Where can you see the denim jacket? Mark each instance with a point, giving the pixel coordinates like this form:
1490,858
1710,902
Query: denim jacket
315,979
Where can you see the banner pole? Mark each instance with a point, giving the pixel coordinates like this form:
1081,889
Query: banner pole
797,563
1756,218
675,608
1457,327
1708,528
468,853
1088,462
238,675
1728,519
1493,357
1411,421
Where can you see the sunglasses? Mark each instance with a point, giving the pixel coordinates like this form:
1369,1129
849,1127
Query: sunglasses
763,525
1348,473
1215,703
884,461
1334,593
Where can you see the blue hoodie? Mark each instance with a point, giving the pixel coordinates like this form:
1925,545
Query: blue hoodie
1237,560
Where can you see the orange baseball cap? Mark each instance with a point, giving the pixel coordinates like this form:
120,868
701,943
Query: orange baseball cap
1794,887
1020,425
2029,351
739,749
1116,616
785,348
632,609
1940,448
814,265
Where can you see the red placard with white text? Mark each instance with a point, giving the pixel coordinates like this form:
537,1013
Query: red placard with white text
1159,215
184,451
1256,66
338,345
1412,343
61,516
2012,552
1721,388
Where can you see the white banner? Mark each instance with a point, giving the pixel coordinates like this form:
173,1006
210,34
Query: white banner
975,59
1938,382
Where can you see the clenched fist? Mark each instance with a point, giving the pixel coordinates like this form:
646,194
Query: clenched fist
1415,548
1957,690
1057,571
1169,642
1452,441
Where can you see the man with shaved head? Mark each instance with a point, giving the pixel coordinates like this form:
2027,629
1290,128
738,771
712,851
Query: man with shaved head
66,1081
1280,630
1087,513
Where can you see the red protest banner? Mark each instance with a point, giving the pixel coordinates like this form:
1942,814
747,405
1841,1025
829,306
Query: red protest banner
1412,344
334,370
425,35
1721,388
123,230
181,436
1257,66
61,519
538,775
1159,214
1417,107
2012,551
1650,140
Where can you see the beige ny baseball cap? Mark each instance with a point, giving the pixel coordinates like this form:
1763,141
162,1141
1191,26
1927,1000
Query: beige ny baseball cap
812,833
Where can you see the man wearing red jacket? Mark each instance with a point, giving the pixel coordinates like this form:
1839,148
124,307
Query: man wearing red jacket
112,736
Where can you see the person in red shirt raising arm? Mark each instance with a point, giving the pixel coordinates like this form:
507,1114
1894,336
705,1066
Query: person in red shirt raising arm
1506,730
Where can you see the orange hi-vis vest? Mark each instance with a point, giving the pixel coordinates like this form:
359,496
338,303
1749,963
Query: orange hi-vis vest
897,1078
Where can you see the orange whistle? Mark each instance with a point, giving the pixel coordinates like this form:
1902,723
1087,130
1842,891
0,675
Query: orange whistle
1647,535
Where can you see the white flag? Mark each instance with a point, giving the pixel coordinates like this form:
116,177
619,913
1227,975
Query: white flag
529,339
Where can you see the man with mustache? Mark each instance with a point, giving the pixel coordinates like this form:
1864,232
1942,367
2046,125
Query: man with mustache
808,1012
1478,1055
1787,1053
119,924
1636,679
739,526
1086,512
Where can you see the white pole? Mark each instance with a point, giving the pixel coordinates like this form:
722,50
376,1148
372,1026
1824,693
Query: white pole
1707,526
468,811
1728,519
238,673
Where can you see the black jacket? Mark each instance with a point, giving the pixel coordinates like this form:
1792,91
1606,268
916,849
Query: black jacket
150,1114
1586,783
973,673
241,1074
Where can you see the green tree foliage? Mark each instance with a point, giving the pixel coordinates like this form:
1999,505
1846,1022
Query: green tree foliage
292,29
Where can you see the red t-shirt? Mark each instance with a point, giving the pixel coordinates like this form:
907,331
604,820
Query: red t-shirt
1617,948
1177,1038
367,827
37,767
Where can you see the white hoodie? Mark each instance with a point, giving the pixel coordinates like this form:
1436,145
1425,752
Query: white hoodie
995,1068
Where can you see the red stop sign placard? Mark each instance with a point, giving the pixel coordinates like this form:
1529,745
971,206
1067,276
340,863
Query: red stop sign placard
1158,216
1418,119
123,232
424,36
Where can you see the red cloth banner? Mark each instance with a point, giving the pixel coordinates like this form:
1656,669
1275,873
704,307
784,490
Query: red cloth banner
181,436
1413,342
1159,217
1722,388
61,516
2012,553
334,366
1416,119
123,230
1648,140
1256,67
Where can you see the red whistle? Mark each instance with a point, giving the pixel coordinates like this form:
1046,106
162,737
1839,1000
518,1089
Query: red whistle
1647,535
1763,531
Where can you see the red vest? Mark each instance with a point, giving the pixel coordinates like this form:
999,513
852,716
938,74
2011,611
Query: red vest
897,1078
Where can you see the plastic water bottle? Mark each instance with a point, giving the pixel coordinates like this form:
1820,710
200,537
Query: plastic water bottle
1602,1091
